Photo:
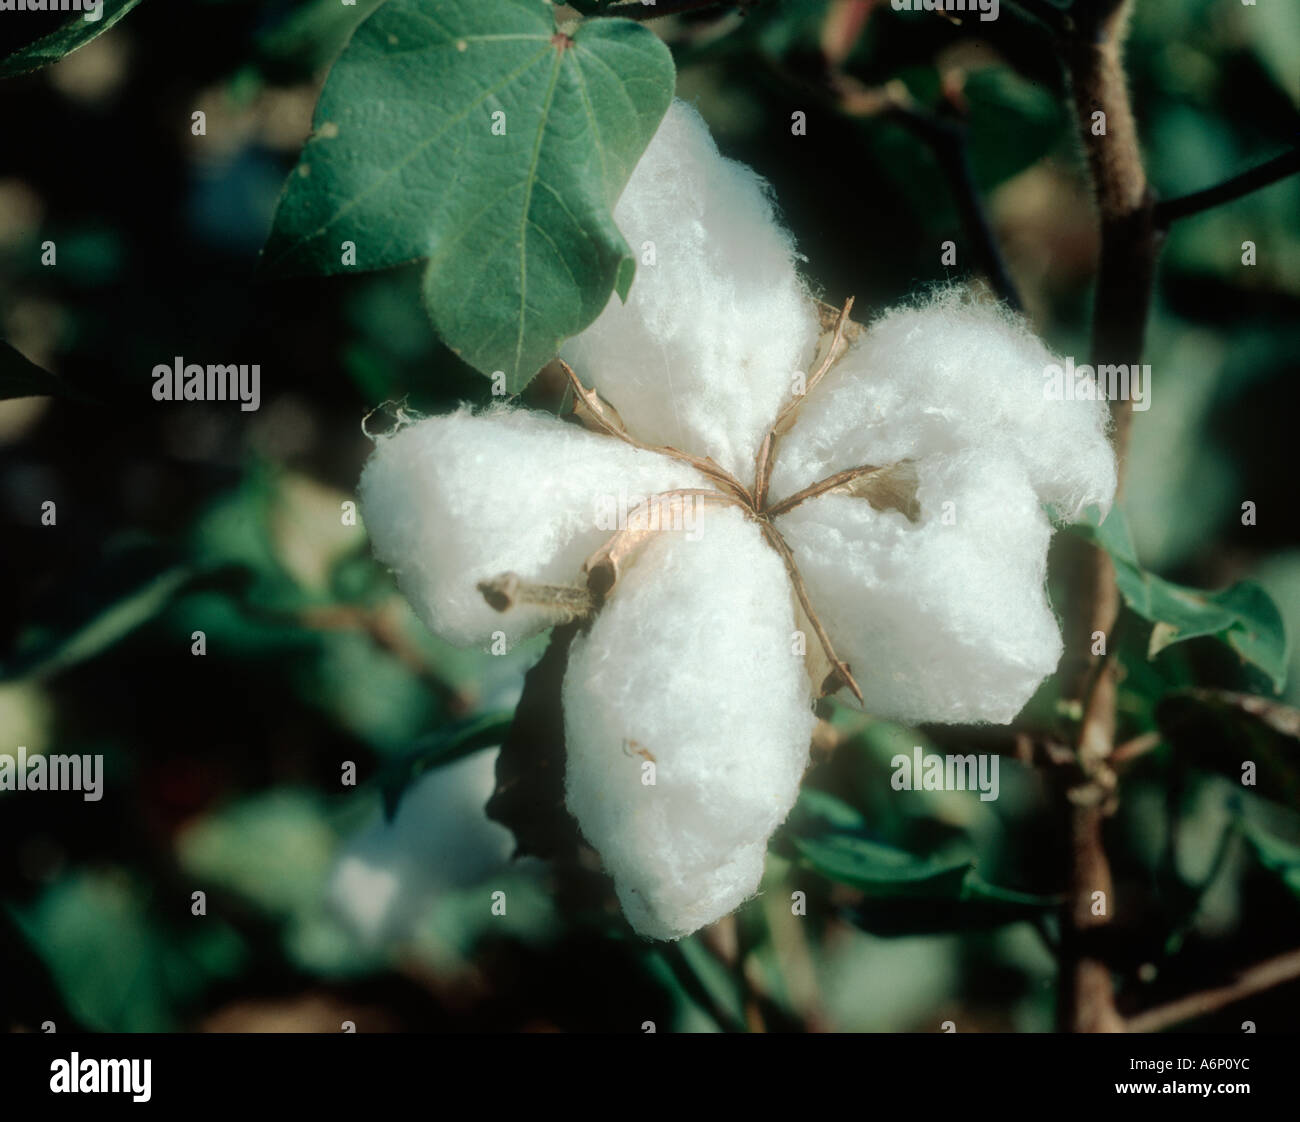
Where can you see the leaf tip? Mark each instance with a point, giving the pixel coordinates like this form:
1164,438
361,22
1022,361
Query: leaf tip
623,278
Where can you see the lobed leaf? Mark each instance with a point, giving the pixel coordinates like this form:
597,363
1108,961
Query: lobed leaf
1242,615
474,134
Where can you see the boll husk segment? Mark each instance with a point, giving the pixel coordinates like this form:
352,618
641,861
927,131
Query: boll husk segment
889,522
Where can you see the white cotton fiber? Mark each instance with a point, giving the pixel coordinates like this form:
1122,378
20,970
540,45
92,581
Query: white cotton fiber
949,375
704,352
439,839
942,620
689,666
450,501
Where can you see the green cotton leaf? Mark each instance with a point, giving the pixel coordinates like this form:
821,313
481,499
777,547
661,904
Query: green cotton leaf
157,962
881,870
473,134
75,32
20,377
273,849
1243,615
443,747
1252,741
1275,855
819,810
903,893
979,907
94,610
52,653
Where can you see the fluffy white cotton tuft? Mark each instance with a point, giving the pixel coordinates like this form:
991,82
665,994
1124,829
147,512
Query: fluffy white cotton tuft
689,667
450,501
942,620
705,350
946,376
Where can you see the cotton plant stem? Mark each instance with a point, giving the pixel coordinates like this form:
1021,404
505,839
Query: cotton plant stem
1258,978
1130,241
1129,245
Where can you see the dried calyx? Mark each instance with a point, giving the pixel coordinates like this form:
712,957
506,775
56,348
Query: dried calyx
887,487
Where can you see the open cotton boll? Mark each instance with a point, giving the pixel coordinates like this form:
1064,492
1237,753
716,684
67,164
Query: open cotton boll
704,352
945,619
450,501
689,669
948,375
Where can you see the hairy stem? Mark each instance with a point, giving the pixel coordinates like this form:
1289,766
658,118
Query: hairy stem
1129,246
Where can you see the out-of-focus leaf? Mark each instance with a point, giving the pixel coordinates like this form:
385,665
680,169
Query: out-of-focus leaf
121,597
312,34
936,893
120,969
1220,731
708,983
1243,615
442,747
881,870
1275,29
1012,123
272,849
1277,856
471,133
75,32
275,850
20,377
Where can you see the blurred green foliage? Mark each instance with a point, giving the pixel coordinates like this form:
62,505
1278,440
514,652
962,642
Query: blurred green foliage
224,770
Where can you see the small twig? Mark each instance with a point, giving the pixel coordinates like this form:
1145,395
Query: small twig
726,941
382,625
1255,979
1138,746
1170,210
949,141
